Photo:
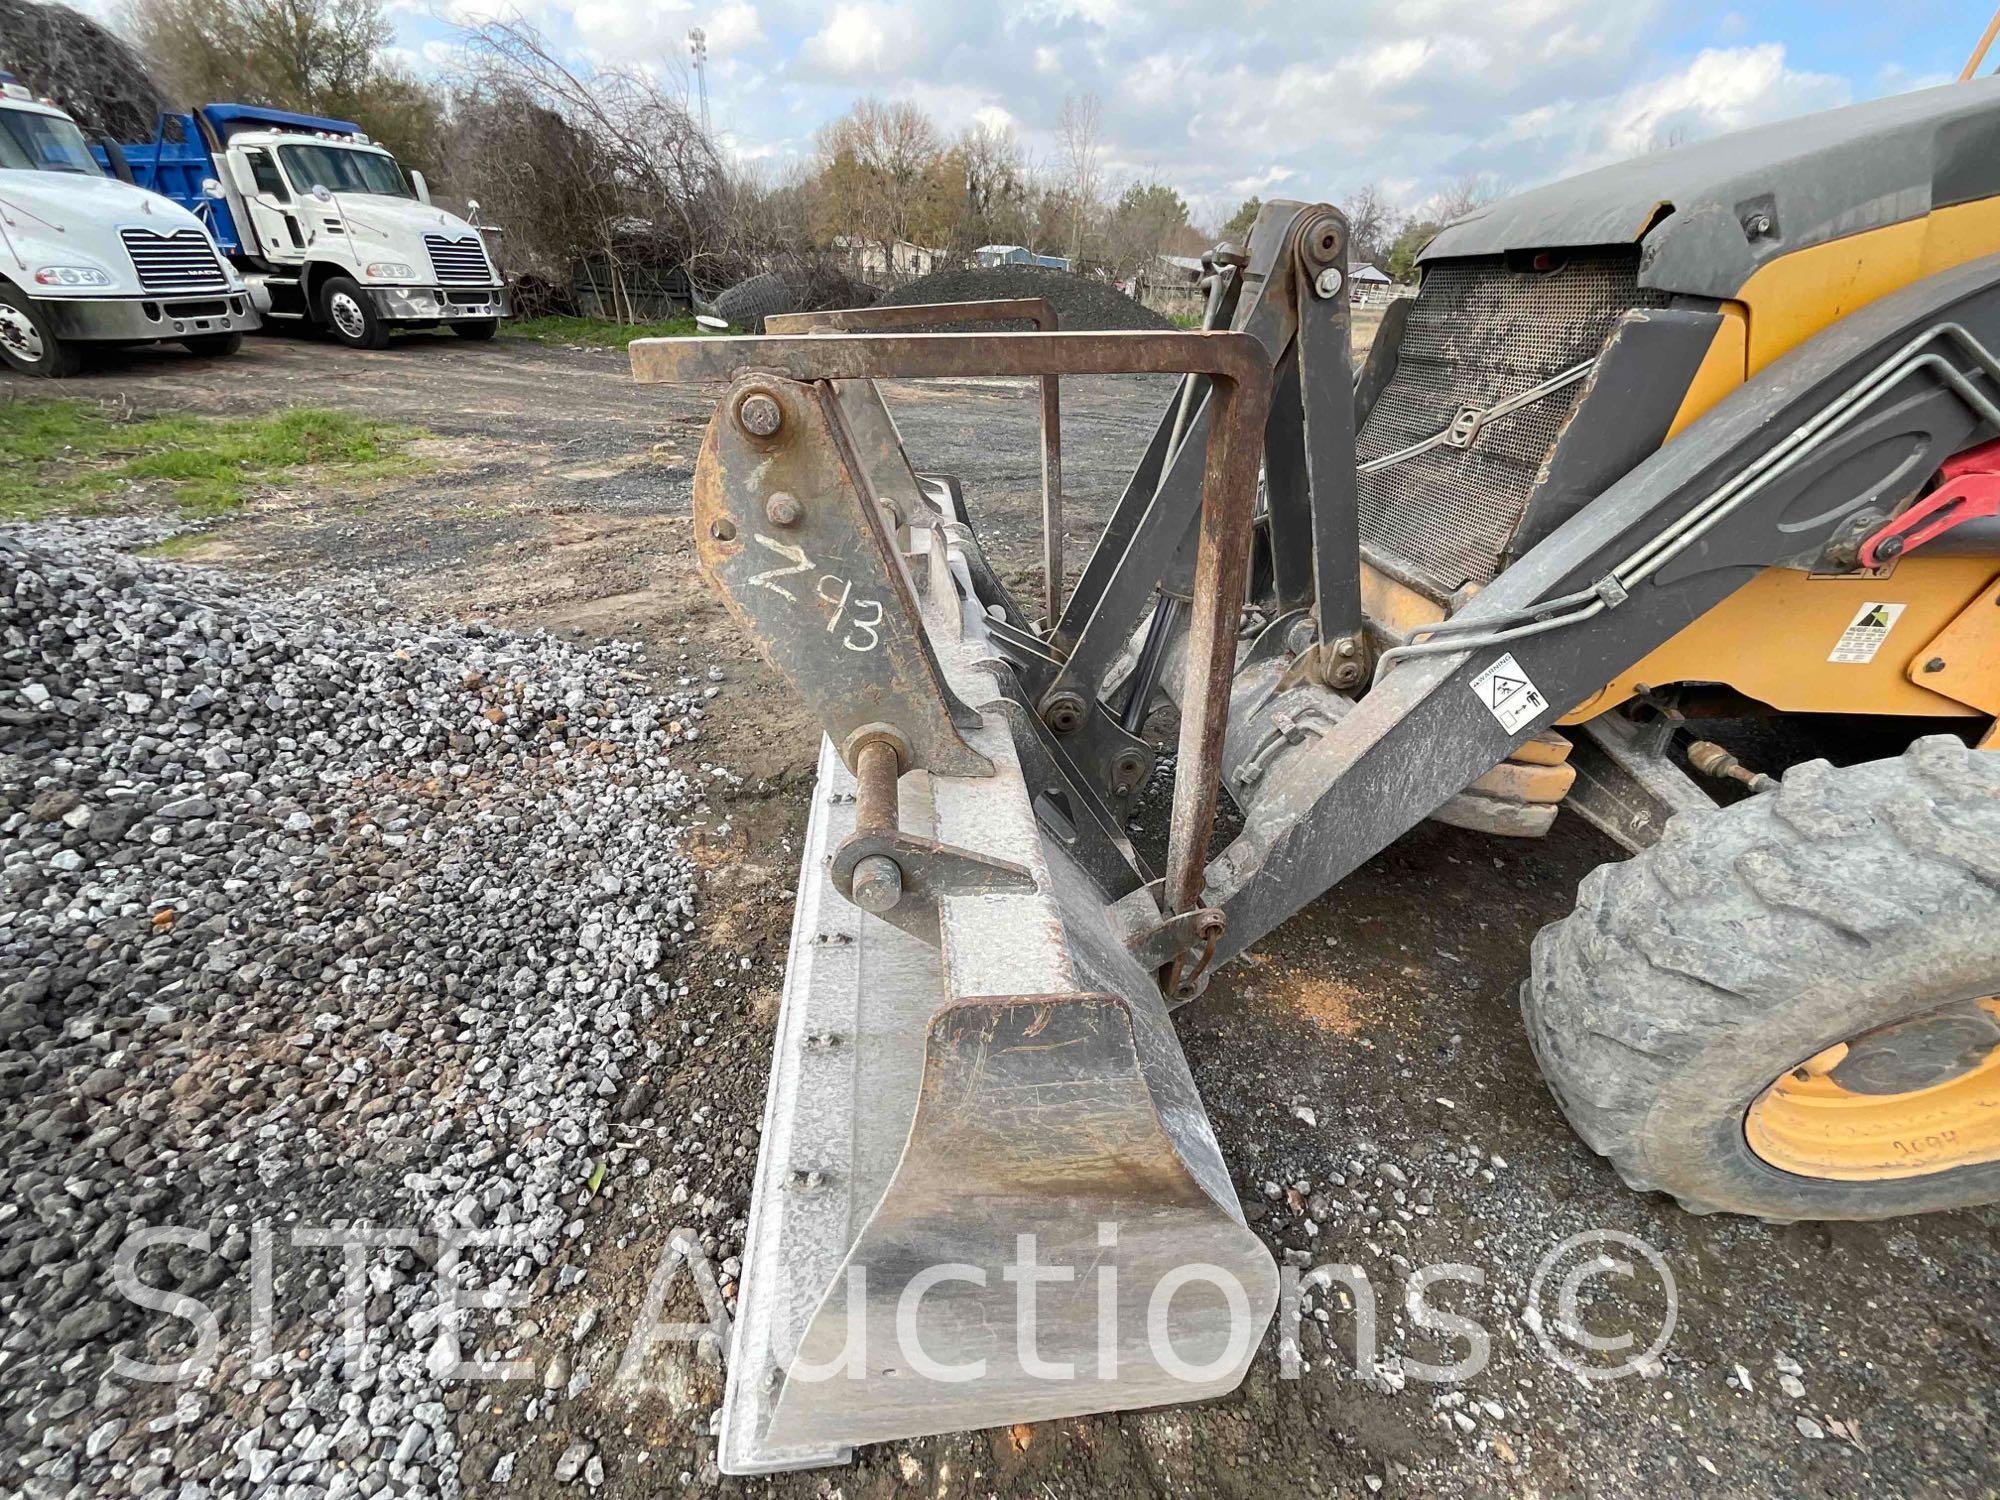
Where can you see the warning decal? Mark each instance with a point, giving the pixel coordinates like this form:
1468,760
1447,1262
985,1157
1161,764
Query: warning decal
1508,693
1865,633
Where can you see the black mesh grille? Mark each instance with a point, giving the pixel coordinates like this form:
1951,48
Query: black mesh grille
460,261
1478,334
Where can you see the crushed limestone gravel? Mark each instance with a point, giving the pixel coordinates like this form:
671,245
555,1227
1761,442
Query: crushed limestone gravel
312,920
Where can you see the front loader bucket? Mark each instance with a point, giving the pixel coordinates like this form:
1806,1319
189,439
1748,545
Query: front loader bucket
924,1156
988,1192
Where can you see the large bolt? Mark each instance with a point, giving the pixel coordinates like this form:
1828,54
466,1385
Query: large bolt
878,883
1328,282
1063,713
782,509
759,415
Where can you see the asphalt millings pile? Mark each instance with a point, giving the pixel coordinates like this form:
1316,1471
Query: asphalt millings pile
311,921
1080,301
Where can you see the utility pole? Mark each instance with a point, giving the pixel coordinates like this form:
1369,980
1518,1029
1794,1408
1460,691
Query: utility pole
698,50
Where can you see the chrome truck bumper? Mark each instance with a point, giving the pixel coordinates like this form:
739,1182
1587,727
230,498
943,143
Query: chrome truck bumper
431,304
138,320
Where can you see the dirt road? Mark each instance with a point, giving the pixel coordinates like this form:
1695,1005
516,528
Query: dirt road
1365,1068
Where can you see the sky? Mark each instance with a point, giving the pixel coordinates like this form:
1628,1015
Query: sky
1223,101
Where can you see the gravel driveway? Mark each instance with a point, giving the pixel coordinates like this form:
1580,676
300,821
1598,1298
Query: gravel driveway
442,878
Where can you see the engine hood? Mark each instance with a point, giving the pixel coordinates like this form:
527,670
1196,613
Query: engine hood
1708,215
71,201
389,223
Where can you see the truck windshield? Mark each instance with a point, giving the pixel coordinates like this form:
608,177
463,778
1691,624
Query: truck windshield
32,142
344,170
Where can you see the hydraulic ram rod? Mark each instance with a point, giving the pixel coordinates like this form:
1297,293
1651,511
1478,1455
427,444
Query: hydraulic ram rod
1239,368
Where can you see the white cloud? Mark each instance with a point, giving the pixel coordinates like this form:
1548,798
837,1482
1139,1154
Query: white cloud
854,41
1722,89
1269,98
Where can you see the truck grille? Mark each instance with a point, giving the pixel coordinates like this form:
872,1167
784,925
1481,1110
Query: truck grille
458,262
183,261
1479,333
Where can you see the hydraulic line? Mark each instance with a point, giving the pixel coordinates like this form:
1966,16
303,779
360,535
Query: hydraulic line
1616,585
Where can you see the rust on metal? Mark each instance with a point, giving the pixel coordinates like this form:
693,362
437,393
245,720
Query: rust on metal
1037,310
1240,371
825,596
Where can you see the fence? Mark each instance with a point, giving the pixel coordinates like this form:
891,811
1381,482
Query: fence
630,293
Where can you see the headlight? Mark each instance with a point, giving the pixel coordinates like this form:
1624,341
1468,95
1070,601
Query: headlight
390,270
71,276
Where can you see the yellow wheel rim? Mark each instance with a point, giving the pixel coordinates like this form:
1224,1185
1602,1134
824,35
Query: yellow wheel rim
1906,1100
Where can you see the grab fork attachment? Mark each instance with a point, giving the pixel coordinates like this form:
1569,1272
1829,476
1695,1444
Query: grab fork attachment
988,1191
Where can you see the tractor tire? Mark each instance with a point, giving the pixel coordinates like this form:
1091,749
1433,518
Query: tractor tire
27,342
1786,1008
478,330
349,316
213,345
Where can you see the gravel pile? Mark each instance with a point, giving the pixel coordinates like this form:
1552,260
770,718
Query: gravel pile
311,919
1081,303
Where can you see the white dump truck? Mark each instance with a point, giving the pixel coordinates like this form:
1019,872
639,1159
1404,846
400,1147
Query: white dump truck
88,259
325,226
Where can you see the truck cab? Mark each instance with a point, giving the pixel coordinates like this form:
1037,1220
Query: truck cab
86,258
325,226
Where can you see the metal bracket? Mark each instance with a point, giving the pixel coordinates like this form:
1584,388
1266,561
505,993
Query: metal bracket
787,531
1178,936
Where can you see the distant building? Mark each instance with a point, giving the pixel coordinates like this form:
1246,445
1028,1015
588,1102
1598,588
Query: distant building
1370,285
904,262
1179,268
1017,255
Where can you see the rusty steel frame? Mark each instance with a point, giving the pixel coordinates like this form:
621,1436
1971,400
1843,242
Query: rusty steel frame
1239,370
899,319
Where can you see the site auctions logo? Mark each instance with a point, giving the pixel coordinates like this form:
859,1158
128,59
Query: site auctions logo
1602,1305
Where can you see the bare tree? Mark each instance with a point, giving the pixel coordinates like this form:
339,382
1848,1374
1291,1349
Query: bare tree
322,56
650,183
882,174
1461,196
1372,223
1080,130
996,189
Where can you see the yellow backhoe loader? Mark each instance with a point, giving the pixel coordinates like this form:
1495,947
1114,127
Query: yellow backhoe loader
1712,434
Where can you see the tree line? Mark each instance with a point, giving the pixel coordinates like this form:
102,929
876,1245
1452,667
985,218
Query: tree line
608,165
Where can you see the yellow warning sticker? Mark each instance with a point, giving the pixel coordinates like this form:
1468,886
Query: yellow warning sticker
1865,634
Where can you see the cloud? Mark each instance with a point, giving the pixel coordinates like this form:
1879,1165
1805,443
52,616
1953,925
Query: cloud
1309,101
1722,89
856,41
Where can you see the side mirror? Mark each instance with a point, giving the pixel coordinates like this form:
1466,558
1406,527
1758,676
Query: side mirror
211,187
239,168
421,188
322,193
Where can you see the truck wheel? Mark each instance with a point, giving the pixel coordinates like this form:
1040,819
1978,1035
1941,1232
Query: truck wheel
213,344
27,342
349,316
479,330
1791,1007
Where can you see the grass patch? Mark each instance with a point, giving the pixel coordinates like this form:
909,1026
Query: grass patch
65,458
597,333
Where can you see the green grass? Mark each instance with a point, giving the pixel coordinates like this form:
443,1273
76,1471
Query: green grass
65,458
596,333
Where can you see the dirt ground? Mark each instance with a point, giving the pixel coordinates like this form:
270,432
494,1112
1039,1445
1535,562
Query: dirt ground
1365,1065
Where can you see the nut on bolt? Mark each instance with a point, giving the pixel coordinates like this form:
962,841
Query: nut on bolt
878,883
760,415
1063,712
782,509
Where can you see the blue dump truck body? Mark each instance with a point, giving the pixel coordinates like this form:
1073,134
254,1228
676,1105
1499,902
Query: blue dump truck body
180,158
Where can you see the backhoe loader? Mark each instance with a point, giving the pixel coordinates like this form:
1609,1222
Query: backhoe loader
1710,435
